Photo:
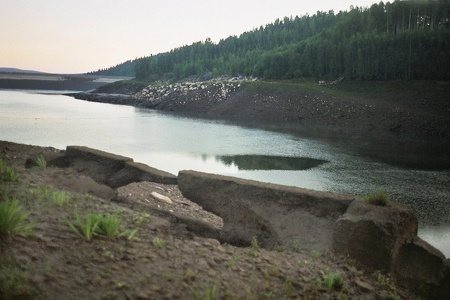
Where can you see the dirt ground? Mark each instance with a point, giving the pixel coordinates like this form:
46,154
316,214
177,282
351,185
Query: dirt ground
163,260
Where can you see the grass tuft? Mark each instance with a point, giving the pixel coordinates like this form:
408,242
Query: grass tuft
159,243
13,219
41,162
85,226
379,197
333,281
254,247
209,293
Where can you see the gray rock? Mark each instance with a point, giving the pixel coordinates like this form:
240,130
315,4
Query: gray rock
274,214
372,234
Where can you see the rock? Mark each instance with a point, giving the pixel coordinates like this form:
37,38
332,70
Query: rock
364,285
160,197
136,172
372,234
421,267
274,214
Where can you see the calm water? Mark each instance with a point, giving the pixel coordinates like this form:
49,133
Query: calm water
174,143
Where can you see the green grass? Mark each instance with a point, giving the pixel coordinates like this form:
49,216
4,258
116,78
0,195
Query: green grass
15,282
333,281
378,197
13,219
254,247
92,225
8,174
86,226
50,194
209,293
41,162
159,243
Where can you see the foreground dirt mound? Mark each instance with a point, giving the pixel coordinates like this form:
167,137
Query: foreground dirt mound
164,259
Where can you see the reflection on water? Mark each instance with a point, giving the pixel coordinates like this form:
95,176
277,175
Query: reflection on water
268,162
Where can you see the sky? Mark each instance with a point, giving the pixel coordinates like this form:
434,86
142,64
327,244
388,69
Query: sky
78,36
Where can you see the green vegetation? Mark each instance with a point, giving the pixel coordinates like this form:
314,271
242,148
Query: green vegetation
379,197
7,173
50,194
333,281
13,219
159,243
15,282
41,162
254,247
209,293
392,40
98,225
85,226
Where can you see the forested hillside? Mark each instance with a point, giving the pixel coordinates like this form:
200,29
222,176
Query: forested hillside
399,40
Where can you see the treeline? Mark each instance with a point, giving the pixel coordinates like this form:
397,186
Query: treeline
399,40
124,69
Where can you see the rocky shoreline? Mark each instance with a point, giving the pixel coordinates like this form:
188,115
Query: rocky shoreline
259,103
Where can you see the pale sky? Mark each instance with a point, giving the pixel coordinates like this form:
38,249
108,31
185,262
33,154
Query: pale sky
78,36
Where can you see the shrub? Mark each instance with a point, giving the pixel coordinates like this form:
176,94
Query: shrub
379,197
12,219
254,247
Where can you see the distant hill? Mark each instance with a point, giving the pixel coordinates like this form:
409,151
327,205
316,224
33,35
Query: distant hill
387,41
14,70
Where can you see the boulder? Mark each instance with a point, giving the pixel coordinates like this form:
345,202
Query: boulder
421,267
373,235
94,163
274,214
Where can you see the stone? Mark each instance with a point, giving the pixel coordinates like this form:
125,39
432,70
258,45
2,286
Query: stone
364,285
274,214
372,234
420,266
160,197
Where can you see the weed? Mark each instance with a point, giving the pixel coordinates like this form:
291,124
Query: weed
280,248
288,288
85,226
108,226
189,275
315,254
254,247
378,197
333,281
159,243
296,246
8,174
47,193
15,283
209,293
41,162
129,234
12,219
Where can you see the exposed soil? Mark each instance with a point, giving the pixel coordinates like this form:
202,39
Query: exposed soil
56,263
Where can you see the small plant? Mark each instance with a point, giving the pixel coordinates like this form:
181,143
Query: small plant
280,248
12,219
254,247
108,226
296,246
85,226
159,243
47,193
41,162
288,288
209,293
8,174
315,254
379,197
333,281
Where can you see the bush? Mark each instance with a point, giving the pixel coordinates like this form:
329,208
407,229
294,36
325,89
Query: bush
379,197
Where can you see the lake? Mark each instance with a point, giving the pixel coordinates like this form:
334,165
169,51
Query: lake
174,143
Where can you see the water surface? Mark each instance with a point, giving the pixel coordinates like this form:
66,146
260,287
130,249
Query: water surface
174,143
